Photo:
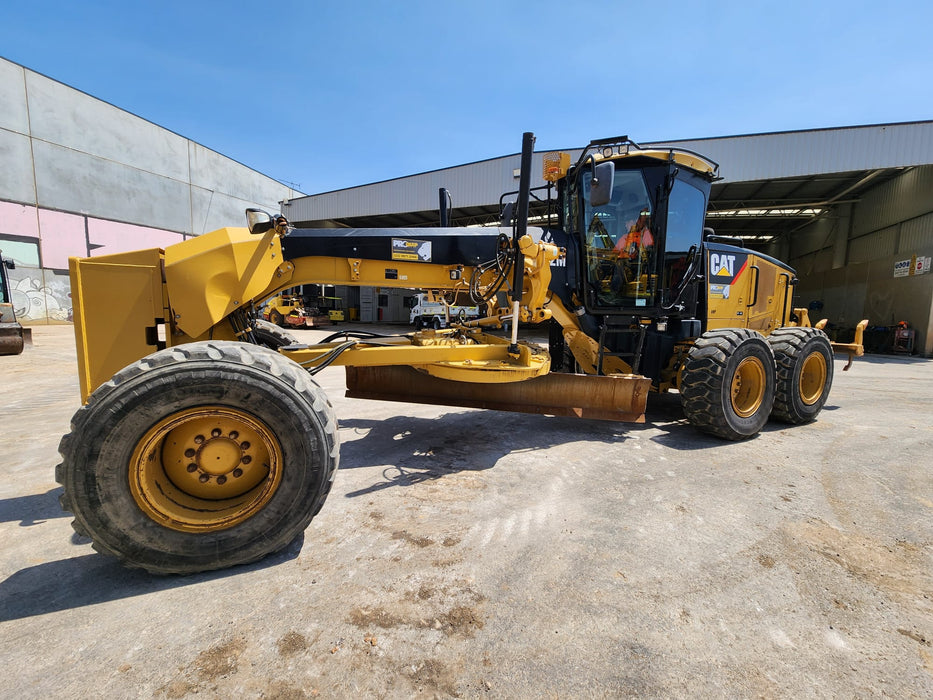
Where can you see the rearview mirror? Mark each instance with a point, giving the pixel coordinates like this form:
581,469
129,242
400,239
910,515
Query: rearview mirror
601,184
258,221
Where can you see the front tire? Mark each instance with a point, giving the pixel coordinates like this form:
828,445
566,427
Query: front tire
728,383
804,360
199,457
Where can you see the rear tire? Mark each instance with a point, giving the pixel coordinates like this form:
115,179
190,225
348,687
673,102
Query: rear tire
728,383
804,359
271,336
199,457
276,318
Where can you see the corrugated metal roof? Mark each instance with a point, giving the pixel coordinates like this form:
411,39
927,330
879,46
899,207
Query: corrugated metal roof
476,184
818,151
746,158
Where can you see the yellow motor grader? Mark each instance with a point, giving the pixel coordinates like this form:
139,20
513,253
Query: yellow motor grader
205,442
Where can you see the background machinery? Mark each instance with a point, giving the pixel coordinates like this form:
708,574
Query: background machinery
205,442
13,337
436,311
280,307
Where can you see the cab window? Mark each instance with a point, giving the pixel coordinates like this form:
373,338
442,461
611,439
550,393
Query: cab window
686,211
619,242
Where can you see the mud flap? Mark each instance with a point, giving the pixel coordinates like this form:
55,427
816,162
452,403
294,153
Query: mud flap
615,397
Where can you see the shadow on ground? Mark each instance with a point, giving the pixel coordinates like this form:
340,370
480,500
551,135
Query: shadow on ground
93,578
426,449
33,509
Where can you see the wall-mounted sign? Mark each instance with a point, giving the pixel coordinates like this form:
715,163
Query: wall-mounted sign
917,265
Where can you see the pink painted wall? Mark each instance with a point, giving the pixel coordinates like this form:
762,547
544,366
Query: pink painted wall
18,220
108,237
62,235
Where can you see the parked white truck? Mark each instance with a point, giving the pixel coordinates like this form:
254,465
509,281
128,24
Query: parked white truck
433,310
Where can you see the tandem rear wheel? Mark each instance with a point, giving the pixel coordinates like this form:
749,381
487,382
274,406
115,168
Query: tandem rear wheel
199,457
804,359
734,379
728,382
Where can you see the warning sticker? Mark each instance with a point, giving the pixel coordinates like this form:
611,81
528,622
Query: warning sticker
408,249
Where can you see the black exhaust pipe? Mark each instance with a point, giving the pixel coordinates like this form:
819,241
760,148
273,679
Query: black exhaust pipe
521,228
444,206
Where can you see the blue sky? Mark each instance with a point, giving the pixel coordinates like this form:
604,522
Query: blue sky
327,95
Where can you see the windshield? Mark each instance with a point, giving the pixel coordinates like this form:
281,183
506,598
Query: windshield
619,242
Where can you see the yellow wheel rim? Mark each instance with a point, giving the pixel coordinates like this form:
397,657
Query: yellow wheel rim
748,387
812,378
205,469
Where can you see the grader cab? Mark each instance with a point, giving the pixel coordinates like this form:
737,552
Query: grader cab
205,442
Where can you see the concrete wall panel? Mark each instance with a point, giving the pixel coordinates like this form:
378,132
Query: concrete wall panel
13,113
211,171
16,177
77,182
82,177
62,115
213,210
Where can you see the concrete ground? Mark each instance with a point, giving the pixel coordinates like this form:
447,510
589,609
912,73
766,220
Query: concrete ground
482,554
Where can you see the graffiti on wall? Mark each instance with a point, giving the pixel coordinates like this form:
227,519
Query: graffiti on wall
43,294
40,295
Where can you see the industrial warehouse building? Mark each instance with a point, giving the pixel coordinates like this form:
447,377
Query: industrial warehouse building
851,209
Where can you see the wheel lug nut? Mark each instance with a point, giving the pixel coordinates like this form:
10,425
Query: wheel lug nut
204,478
198,439
192,468
221,480
237,472
246,459
215,432
244,445
189,453
234,435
